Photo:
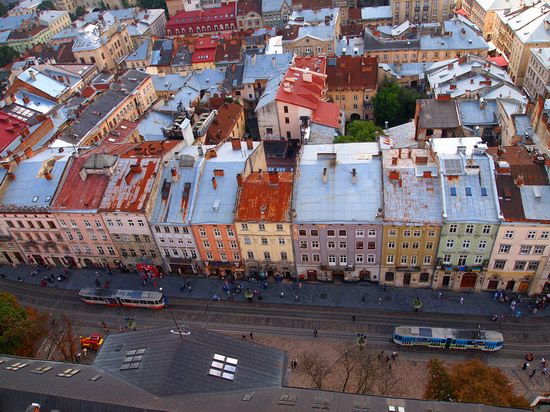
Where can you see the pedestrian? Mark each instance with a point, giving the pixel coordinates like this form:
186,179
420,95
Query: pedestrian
439,295
496,296
525,366
387,358
543,371
295,363
19,278
314,333
190,289
389,366
296,297
120,329
543,362
353,318
462,301
187,282
144,282
154,283
244,336
78,356
85,352
282,295
379,301
385,288
532,373
251,335
182,287
363,299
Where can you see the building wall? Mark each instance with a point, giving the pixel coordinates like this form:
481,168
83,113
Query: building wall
409,249
88,238
354,250
354,102
132,237
62,22
218,249
278,18
268,120
519,59
9,250
518,242
422,11
289,122
537,76
22,45
251,20
177,246
417,55
266,247
310,46
110,54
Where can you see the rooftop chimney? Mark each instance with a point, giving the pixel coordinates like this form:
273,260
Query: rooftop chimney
235,143
17,159
214,183
174,173
353,176
519,181
26,99
31,73
325,176
274,62
307,76
249,143
253,59
239,180
273,178
219,172
394,161
199,150
11,176
28,152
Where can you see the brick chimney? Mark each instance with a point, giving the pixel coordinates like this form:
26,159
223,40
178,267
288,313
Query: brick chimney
219,172
214,183
239,180
273,178
249,143
235,143
48,175
354,176
28,152
17,159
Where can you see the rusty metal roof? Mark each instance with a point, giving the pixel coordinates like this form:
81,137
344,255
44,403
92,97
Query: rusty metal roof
266,197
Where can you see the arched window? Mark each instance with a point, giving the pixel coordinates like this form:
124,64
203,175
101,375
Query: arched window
232,26
215,27
182,31
177,31
227,27
190,29
169,32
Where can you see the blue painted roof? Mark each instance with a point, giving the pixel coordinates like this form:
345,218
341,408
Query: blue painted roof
412,198
535,201
339,200
271,6
171,206
13,22
470,40
30,188
263,68
471,113
209,79
270,91
216,206
150,126
140,53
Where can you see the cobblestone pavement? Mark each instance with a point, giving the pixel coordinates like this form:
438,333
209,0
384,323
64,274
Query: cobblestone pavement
284,292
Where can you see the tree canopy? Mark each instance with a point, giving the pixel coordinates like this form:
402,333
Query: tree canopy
46,5
3,10
394,104
7,55
471,381
360,131
152,4
20,328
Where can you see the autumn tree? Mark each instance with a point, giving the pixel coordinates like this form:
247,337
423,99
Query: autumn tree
21,329
471,382
62,339
316,366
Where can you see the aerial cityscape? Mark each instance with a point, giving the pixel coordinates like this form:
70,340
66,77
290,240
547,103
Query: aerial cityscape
262,205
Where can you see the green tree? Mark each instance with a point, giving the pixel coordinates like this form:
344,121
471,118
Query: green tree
21,329
394,104
80,11
3,10
439,384
360,131
471,382
7,55
46,5
153,4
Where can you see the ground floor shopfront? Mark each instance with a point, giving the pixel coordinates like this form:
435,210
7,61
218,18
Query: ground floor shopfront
257,269
338,274
222,270
407,276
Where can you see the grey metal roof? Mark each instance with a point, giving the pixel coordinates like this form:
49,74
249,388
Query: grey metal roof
43,83
411,198
535,201
177,365
270,91
352,46
461,37
172,207
472,114
436,114
215,206
375,13
150,126
522,122
321,32
100,161
161,54
30,188
13,22
272,6
339,200
140,53
130,80
264,68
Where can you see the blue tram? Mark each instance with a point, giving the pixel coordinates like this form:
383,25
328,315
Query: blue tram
448,338
126,298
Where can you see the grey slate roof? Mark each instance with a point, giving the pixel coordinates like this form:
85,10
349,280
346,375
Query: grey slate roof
318,202
264,68
471,114
140,53
437,114
535,201
174,365
272,6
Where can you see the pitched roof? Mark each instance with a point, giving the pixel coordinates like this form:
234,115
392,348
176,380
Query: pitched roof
352,73
265,197
261,66
321,202
10,129
327,114
246,6
44,83
437,114
222,125
302,92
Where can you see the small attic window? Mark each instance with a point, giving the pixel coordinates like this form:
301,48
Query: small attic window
68,373
35,199
483,191
453,191
468,191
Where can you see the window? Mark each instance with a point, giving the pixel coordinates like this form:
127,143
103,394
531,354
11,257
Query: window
61,222
424,277
462,260
509,234
202,232
230,233
331,259
405,245
282,241
285,109
223,257
417,233
261,227
359,258
265,242
447,259
250,255
545,234
219,244
247,241
406,233
303,244
372,232
466,244
482,244
79,235
131,223
359,245
404,259
427,260
302,232
343,245
499,264
87,249
392,232
371,258
217,232
331,233
279,227
206,244
359,233
429,245
431,233
371,245
284,256
94,237
314,233
305,257
453,228
478,260
140,223
236,256
415,245
533,265
531,234
504,249
486,229
342,233
343,260
244,226
524,250
450,244
315,244
539,250
390,276
209,255
391,245
316,257
287,120
72,222
331,244
469,229
77,249
520,265
390,259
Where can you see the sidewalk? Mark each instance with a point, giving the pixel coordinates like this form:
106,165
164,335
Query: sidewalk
315,294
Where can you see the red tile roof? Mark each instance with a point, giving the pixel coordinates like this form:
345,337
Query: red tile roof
223,14
316,64
78,194
246,6
266,197
229,50
353,73
203,56
205,43
462,12
157,148
220,129
499,61
301,92
327,114
351,29
10,129
354,14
